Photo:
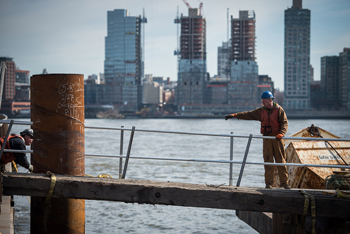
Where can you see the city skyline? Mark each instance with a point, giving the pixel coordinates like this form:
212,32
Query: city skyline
68,36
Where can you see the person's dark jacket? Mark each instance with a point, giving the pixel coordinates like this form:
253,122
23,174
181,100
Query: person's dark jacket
17,143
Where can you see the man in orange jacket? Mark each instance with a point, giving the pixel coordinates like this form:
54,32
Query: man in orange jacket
274,122
18,143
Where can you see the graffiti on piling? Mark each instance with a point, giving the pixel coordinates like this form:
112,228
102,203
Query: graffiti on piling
71,100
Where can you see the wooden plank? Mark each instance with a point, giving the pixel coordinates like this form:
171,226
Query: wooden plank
7,211
178,194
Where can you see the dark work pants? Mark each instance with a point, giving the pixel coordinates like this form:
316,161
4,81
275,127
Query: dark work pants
273,149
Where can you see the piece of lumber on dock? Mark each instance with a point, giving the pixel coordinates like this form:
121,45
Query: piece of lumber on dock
177,194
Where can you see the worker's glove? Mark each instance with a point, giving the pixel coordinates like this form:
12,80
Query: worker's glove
31,168
229,116
279,137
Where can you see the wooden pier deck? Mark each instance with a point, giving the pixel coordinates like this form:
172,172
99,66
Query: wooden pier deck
177,194
7,212
6,217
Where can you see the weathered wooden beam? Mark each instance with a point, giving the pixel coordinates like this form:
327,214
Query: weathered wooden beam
177,194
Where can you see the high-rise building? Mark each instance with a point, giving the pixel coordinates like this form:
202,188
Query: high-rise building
224,60
242,88
297,57
344,78
22,76
152,93
123,59
335,85
192,71
9,91
243,36
15,95
330,80
265,84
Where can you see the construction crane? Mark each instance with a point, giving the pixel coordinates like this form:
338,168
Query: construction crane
200,8
189,6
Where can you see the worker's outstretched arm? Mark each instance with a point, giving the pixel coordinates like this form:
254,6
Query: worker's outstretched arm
230,116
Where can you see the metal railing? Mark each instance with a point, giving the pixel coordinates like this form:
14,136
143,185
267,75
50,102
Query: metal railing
123,170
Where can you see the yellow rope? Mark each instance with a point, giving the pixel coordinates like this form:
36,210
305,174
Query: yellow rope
308,197
341,194
15,166
101,176
52,187
104,176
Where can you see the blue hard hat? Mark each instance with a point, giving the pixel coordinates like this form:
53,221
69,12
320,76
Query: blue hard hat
266,94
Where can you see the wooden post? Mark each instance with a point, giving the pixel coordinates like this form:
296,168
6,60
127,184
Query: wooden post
57,113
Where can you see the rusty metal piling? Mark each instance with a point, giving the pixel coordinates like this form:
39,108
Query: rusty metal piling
57,113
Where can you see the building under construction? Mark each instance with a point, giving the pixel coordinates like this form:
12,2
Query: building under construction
242,88
196,94
243,36
192,70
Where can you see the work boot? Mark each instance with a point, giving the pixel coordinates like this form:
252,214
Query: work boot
286,186
268,186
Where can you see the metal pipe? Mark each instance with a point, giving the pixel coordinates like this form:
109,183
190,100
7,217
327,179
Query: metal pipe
194,133
121,153
128,153
18,151
231,158
215,161
104,156
18,122
219,161
203,160
57,112
244,160
223,135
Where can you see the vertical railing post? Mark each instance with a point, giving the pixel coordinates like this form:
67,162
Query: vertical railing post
128,153
6,138
244,160
231,158
121,153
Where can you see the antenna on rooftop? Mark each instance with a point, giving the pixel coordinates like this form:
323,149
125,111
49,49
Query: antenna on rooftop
2,75
228,25
143,21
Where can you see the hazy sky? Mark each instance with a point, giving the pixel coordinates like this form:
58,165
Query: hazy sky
67,36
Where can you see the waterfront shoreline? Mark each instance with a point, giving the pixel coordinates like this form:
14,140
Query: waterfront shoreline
299,115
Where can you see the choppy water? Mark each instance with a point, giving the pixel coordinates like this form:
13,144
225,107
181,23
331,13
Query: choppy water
117,217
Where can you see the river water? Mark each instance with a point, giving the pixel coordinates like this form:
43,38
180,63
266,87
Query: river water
118,217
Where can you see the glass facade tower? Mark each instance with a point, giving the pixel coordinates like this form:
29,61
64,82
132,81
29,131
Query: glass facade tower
297,57
123,59
224,60
329,80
